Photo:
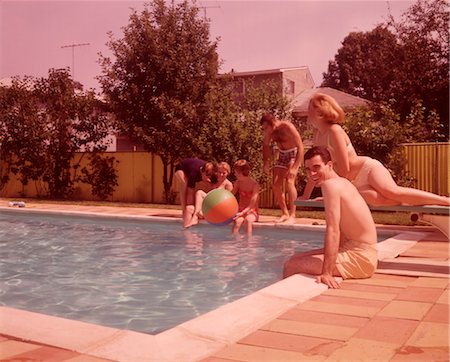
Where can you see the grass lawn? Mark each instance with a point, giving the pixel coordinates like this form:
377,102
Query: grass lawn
380,217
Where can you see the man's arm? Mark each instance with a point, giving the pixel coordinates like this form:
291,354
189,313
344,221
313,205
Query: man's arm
332,199
299,144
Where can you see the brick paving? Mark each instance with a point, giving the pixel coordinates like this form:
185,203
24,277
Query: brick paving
389,317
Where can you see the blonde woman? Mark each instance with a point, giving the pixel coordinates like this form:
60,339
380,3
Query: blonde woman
369,176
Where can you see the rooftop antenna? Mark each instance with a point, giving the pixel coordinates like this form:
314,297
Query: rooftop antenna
73,46
207,7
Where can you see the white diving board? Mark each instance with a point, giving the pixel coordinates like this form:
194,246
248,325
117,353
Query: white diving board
435,215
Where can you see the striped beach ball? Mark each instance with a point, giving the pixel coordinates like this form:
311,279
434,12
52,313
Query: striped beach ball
219,207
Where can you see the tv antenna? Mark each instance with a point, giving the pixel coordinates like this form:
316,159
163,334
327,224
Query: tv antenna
207,7
73,46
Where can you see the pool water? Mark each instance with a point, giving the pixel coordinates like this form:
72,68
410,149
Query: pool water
142,276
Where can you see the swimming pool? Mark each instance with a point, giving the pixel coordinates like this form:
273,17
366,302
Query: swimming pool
142,276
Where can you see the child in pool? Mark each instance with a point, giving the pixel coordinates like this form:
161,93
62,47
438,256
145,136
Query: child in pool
223,171
248,190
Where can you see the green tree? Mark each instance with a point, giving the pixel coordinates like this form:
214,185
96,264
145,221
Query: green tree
375,132
365,65
406,61
423,34
21,135
232,129
163,70
46,121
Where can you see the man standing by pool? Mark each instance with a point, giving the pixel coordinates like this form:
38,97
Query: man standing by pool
350,238
290,148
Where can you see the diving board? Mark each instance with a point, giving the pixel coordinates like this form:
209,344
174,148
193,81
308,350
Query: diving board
435,215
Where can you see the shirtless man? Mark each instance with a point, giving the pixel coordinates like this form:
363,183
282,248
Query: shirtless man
290,148
350,237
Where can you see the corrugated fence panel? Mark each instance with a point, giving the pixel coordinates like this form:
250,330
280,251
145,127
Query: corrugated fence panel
428,163
140,176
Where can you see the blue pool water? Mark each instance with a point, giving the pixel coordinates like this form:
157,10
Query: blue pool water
142,276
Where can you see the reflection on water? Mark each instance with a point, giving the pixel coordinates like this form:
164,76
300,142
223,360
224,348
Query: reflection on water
146,277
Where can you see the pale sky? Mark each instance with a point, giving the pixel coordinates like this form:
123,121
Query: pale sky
255,35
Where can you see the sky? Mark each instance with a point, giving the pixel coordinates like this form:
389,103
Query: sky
254,35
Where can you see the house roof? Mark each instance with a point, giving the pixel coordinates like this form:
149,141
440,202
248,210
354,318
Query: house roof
345,100
266,71
5,82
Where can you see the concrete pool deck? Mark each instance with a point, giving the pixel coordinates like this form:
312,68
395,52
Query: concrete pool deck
401,313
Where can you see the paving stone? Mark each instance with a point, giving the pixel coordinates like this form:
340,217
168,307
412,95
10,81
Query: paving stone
405,310
429,334
386,329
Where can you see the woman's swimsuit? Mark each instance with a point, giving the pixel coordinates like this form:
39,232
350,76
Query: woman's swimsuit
361,180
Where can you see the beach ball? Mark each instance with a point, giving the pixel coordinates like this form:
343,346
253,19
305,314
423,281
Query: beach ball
219,207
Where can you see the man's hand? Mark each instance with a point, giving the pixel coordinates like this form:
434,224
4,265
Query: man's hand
328,280
266,169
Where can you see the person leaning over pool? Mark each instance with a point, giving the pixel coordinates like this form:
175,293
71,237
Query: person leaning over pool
189,172
350,237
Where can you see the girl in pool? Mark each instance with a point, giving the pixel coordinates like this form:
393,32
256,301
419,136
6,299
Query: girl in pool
369,176
223,171
248,190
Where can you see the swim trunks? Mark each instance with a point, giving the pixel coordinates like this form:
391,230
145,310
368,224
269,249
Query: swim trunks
356,261
362,178
286,158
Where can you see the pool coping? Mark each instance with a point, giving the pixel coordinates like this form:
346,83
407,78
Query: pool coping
195,339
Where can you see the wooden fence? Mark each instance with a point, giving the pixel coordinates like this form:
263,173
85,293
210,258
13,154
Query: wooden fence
140,176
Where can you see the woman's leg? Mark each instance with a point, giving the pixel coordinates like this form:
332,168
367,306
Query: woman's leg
390,193
182,180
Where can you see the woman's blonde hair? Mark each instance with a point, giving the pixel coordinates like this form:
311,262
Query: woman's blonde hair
327,108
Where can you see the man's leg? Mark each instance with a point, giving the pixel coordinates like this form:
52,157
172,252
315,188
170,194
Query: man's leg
292,196
310,262
182,180
277,188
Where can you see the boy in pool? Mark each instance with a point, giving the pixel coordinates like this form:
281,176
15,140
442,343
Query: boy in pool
248,190
223,171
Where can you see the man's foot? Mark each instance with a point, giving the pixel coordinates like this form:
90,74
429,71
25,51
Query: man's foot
289,221
282,219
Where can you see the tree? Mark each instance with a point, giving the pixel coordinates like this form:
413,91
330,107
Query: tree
365,65
46,121
375,132
232,129
163,70
21,136
405,61
423,36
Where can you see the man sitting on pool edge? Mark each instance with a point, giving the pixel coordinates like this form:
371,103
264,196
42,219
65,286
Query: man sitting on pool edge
350,238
